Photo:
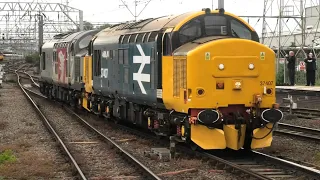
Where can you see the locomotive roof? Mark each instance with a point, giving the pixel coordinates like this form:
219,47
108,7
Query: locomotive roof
74,36
145,25
49,44
156,24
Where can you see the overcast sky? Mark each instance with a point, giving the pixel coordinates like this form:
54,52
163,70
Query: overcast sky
114,11
110,10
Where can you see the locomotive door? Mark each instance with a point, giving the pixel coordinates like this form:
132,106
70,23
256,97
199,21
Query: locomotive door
71,64
167,67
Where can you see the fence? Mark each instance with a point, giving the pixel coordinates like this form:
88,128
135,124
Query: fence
300,75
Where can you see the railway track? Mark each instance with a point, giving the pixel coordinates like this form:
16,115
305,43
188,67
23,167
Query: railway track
298,131
304,112
271,167
143,171
249,163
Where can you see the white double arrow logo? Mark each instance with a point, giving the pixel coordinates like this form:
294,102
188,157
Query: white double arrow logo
139,77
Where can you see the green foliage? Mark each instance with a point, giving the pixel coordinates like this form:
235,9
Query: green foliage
280,75
32,58
87,25
7,156
11,81
317,156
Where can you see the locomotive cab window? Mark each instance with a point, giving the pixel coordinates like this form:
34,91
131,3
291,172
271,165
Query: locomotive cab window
190,31
97,60
43,60
167,47
84,42
215,25
239,30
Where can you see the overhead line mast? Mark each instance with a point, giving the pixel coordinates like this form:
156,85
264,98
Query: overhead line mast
136,3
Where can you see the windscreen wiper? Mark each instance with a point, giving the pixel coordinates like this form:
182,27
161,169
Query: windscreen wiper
235,33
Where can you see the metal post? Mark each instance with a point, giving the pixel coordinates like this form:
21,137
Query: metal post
302,23
220,4
279,35
172,147
81,19
135,11
264,26
40,32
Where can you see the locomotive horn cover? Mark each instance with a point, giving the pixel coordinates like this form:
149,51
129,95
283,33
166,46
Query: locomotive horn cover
271,115
208,117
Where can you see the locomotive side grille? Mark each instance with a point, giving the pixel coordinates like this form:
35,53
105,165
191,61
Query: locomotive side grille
179,75
77,68
176,89
86,76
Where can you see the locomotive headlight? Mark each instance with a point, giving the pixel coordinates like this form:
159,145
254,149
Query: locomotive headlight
237,84
251,66
221,66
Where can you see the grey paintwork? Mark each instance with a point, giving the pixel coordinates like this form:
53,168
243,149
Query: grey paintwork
77,48
46,74
147,25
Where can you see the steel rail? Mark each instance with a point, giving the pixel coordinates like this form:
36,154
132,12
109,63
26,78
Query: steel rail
51,129
302,168
236,166
133,159
298,131
31,78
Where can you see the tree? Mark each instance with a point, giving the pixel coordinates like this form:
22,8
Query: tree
293,44
87,25
33,58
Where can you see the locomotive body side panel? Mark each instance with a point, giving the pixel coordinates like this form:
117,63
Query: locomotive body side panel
128,71
46,62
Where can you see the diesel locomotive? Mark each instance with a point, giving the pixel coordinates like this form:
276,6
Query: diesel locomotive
200,77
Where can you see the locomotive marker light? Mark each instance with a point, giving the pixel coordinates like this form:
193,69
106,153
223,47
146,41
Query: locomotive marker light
139,77
251,66
221,66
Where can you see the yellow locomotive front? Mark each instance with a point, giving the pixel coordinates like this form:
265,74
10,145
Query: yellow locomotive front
224,79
